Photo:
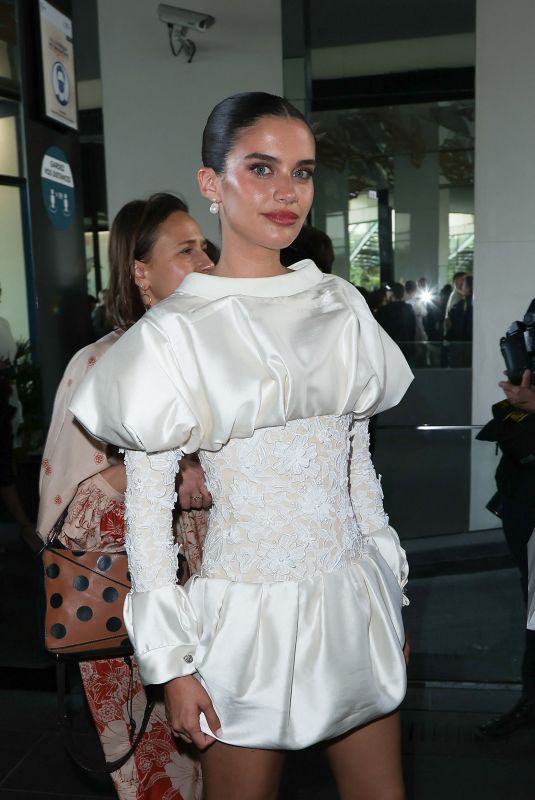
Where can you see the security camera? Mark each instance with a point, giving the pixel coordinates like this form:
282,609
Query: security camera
183,18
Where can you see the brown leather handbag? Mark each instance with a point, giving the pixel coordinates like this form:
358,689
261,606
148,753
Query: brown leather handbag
85,593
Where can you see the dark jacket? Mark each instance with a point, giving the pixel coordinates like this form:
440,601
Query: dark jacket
398,320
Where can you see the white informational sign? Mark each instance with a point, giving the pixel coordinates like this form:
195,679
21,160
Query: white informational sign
58,65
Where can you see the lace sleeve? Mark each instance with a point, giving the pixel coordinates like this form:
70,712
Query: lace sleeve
366,492
367,501
149,501
158,614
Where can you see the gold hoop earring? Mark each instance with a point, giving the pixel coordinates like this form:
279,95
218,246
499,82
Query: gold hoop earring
146,299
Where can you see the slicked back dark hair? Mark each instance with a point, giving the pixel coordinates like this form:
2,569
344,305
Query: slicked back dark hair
133,235
235,114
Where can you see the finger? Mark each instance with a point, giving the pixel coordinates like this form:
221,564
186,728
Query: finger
211,717
206,498
202,740
526,379
184,498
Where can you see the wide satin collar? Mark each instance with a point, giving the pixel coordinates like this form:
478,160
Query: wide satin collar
303,275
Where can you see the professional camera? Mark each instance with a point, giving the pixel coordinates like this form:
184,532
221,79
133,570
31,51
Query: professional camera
518,349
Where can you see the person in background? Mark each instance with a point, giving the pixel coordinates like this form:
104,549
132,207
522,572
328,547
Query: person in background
153,245
460,314
458,347
455,297
311,243
376,299
397,317
515,482
412,297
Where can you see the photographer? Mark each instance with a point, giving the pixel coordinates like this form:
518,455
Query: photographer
513,427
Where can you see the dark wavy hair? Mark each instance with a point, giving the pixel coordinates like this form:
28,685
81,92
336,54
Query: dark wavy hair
233,115
133,235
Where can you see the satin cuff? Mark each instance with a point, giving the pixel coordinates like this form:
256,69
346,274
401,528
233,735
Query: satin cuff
162,627
387,543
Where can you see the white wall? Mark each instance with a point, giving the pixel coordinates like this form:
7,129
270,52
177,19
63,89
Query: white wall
504,271
155,105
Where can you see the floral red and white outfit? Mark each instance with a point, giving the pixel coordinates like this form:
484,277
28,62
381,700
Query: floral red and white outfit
160,768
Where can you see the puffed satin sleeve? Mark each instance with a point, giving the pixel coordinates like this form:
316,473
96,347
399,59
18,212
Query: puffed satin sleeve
367,501
158,615
136,396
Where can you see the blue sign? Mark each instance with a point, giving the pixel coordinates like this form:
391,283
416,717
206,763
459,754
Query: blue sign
60,83
57,186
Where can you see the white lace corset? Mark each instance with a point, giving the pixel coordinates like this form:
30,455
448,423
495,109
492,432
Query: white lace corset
281,504
283,508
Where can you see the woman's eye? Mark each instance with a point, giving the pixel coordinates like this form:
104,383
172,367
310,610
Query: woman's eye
186,252
304,174
261,169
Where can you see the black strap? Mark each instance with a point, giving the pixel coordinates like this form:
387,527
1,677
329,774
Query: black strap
65,727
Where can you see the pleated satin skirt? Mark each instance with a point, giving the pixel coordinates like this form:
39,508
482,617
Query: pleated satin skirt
288,664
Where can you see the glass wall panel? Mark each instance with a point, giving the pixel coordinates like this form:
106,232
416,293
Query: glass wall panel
395,192
416,162
9,159
9,73
103,265
14,307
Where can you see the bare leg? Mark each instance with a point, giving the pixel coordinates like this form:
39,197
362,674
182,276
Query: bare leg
367,761
241,773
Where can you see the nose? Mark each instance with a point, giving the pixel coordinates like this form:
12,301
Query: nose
285,190
201,261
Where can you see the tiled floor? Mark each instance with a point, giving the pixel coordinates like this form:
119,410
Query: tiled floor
466,636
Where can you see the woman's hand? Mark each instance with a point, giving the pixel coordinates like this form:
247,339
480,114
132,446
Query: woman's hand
185,698
192,491
115,475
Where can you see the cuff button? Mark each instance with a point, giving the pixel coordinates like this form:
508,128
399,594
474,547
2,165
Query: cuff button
188,659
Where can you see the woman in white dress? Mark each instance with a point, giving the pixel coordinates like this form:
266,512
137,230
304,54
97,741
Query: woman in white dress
292,632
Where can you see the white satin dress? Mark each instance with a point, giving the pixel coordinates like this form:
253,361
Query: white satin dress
294,623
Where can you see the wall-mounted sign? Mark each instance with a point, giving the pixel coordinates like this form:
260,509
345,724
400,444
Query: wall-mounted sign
58,65
57,186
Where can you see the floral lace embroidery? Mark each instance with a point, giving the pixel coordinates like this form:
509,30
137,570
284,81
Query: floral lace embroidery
281,506
149,501
366,492
288,503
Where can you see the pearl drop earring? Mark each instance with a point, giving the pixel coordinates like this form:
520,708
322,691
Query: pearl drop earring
214,208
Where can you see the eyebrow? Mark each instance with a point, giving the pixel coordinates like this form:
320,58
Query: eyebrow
266,157
191,241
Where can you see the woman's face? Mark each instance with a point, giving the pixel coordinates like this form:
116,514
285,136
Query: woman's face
180,248
266,190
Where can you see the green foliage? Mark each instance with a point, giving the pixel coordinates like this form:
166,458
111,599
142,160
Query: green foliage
28,380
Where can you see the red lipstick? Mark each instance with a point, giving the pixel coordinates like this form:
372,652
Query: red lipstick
282,217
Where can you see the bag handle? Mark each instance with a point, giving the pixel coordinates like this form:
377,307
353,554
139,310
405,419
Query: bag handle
66,733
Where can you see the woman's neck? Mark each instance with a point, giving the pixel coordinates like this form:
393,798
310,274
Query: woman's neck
250,261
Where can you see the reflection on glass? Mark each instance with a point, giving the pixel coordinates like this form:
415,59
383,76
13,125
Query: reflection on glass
9,159
418,161
103,266
14,306
395,193
9,75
